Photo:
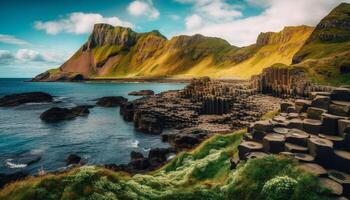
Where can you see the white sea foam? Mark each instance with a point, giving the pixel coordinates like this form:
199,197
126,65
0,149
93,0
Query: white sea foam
11,165
134,143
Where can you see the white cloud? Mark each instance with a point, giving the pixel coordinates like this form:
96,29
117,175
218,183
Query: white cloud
29,56
214,9
143,8
276,15
193,22
9,39
78,23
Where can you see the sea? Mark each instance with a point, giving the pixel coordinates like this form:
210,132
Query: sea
102,137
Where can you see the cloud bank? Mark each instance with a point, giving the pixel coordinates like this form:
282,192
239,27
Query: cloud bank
227,21
9,39
78,23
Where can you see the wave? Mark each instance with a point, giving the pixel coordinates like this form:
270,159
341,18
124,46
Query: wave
134,143
11,165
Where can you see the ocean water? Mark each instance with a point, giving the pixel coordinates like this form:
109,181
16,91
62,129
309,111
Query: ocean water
101,137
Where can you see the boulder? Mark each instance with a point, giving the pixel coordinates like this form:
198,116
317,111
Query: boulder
111,101
134,155
142,93
56,114
321,102
81,110
73,159
139,164
340,94
22,98
158,156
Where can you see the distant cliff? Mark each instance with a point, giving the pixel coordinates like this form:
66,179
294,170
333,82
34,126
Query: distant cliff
117,52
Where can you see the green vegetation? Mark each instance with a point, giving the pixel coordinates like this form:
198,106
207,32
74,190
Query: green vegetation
203,173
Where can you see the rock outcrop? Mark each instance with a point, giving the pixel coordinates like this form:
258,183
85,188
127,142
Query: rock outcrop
142,93
22,98
315,132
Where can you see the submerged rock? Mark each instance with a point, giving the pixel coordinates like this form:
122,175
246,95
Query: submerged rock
73,159
111,101
22,98
142,93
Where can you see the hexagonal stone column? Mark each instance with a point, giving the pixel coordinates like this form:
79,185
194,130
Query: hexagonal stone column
322,150
341,178
314,168
273,143
246,147
342,160
330,124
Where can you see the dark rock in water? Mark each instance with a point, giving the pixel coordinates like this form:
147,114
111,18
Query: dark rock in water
139,164
112,101
142,93
56,114
134,155
73,159
22,98
8,178
158,156
81,110
23,160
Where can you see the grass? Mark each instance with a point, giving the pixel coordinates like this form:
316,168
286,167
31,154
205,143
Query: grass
203,173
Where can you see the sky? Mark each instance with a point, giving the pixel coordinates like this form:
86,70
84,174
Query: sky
36,35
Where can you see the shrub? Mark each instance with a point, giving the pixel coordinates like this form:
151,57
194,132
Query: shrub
281,188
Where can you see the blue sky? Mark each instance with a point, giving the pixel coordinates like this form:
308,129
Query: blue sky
37,35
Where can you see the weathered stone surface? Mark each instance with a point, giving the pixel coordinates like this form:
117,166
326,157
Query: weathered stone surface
142,93
22,98
111,101
340,94
294,148
315,169
330,124
273,143
284,106
334,187
297,137
303,157
186,138
263,126
321,102
343,124
342,160
322,150
301,105
256,154
341,178
339,108
247,147
295,123
312,126
315,113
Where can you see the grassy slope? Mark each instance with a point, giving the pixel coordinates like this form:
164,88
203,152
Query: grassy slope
322,58
203,173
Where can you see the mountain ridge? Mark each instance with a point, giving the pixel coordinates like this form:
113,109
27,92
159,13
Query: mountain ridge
118,52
